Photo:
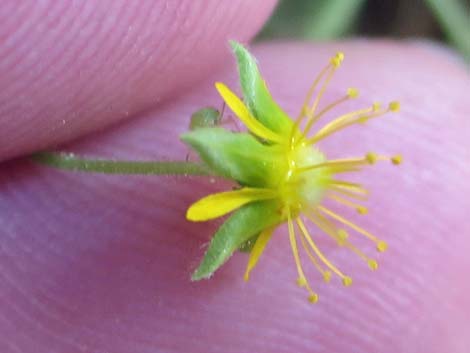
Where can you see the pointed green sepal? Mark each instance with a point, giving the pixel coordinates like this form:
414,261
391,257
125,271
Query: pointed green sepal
242,225
256,95
247,245
237,156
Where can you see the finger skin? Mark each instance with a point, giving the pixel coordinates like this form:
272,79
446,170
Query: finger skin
102,263
68,68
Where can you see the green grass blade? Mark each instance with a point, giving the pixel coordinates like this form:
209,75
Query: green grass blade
454,18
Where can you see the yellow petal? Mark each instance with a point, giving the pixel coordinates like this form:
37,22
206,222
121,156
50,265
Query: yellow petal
245,116
257,250
217,205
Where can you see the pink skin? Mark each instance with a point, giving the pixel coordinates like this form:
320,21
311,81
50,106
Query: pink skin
93,263
69,68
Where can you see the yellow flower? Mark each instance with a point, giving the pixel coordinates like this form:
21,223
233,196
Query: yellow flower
282,172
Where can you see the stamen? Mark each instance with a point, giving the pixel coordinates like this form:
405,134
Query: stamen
394,106
343,122
346,280
346,184
371,158
351,119
381,245
342,163
329,229
343,236
308,97
352,93
397,159
302,280
359,208
362,196
326,274
334,64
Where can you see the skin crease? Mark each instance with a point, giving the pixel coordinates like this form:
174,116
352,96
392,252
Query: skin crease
75,66
93,263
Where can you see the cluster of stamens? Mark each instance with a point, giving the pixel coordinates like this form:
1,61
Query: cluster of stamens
343,192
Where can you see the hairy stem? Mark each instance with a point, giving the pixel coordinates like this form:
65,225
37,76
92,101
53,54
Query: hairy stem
69,161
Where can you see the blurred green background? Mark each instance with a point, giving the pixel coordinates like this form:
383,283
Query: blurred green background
447,21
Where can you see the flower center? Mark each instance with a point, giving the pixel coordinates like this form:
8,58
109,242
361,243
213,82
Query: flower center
302,189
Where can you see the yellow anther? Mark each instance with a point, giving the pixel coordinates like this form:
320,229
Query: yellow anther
340,55
347,281
373,265
353,92
397,159
327,276
313,298
301,282
342,234
371,157
336,62
382,246
362,210
363,119
394,106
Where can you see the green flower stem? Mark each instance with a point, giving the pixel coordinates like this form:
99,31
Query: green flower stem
69,161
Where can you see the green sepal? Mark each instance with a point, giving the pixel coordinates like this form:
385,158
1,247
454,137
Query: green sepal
237,156
243,224
256,95
247,245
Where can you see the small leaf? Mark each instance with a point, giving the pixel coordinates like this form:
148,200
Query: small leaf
237,156
242,225
256,94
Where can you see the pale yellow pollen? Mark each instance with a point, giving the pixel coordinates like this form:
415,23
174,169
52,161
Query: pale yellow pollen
394,106
327,276
376,106
382,246
373,265
313,298
301,282
337,59
347,281
397,159
342,234
353,92
371,157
